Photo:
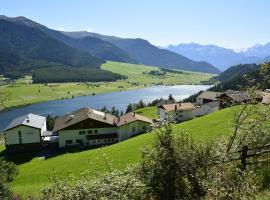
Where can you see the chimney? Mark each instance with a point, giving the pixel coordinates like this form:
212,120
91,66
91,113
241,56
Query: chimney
118,119
27,119
175,107
105,115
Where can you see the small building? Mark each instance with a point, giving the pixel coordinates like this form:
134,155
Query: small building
132,124
232,97
89,127
176,112
265,97
207,97
24,134
207,108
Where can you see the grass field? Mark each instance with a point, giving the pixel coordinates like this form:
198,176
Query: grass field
34,173
23,92
150,112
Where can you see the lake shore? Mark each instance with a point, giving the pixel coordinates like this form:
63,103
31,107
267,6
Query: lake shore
23,92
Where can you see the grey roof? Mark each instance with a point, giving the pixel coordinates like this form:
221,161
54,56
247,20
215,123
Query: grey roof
210,95
30,119
237,96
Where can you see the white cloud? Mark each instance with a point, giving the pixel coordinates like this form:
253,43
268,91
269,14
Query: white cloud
61,29
89,30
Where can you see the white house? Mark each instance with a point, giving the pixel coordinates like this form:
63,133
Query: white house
207,108
25,133
176,112
91,127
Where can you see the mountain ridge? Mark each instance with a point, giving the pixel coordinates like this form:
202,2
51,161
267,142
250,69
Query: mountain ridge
222,57
144,52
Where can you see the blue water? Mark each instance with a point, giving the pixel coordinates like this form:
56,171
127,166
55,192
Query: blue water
118,99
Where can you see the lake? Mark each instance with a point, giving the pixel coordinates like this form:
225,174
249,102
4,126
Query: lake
118,99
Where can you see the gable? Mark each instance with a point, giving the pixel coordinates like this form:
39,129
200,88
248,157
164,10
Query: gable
88,124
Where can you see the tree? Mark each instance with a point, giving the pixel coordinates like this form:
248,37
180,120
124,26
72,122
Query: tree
8,171
173,167
171,98
141,104
129,108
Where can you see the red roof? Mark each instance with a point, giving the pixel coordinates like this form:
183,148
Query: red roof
177,106
131,117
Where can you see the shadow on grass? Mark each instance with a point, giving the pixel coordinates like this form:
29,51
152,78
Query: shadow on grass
18,158
21,158
72,149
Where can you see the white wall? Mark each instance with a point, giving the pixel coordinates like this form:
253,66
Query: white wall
163,115
74,135
199,101
176,115
29,135
124,132
128,130
207,108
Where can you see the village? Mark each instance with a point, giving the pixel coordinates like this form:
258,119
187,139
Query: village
88,127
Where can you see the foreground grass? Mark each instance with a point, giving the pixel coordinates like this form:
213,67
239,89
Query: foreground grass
24,92
34,173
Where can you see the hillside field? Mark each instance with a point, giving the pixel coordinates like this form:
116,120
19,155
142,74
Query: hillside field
35,172
23,92
150,112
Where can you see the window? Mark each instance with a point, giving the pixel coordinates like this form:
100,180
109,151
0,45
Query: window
89,132
81,132
96,131
68,141
144,127
20,137
133,129
79,142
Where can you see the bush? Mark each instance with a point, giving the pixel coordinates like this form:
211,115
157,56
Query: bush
124,185
8,171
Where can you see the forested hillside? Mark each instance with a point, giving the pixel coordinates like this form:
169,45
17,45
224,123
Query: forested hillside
242,77
23,48
96,47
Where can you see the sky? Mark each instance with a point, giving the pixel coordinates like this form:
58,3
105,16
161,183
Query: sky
229,23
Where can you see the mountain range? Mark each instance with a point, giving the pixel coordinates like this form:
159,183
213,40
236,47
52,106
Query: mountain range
222,57
26,44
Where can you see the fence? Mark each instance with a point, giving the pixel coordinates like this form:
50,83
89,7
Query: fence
243,155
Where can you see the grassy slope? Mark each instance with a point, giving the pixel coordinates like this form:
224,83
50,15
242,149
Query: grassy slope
34,173
23,92
150,112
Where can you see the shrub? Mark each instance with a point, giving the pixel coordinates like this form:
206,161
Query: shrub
124,185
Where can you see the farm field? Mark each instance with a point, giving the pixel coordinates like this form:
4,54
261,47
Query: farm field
23,92
35,172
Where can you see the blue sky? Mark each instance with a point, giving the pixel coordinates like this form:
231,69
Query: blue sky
229,23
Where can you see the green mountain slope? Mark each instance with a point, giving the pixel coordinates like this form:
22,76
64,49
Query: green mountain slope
148,54
242,77
96,47
34,49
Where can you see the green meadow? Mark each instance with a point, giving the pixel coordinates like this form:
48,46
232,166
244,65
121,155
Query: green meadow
23,91
150,112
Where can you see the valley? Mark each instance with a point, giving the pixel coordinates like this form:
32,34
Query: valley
23,91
